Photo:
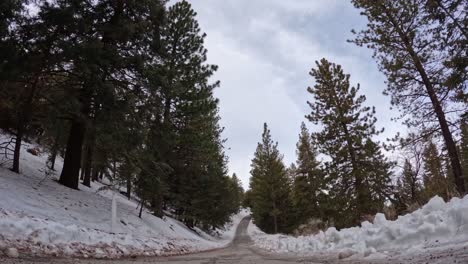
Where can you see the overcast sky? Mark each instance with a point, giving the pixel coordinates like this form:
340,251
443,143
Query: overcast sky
265,50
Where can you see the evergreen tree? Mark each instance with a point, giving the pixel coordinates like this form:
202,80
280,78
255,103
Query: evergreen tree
185,131
128,81
448,174
358,173
448,20
291,171
464,148
27,60
247,202
308,181
237,190
96,63
411,54
270,190
408,185
435,182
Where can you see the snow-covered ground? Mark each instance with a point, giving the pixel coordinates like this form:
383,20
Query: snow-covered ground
437,225
38,216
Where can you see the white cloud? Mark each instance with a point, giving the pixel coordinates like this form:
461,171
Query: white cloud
265,49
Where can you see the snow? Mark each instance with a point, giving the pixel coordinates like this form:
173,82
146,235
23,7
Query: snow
436,225
230,229
40,217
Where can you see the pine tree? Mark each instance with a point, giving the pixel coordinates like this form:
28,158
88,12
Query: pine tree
247,202
133,90
185,131
270,191
358,173
237,190
96,63
291,171
435,182
378,176
308,181
448,19
464,148
26,62
451,188
409,187
411,55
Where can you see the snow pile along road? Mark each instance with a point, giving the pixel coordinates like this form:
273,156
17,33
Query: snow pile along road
36,236
436,224
40,217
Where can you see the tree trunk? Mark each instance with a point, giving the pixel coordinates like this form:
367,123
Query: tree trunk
275,223
141,208
358,187
82,166
83,159
446,134
54,151
95,174
87,168
52,158
129,186
23,120
275,217
16,154
72,163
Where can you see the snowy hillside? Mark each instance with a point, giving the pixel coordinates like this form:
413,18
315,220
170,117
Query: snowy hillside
38,216
436,226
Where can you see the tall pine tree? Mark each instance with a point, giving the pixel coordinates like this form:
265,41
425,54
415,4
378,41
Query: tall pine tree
408,186
435,182
185,130
411,53
308,181
99,64
270,194
359,174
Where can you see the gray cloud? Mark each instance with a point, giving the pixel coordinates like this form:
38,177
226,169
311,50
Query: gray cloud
265,49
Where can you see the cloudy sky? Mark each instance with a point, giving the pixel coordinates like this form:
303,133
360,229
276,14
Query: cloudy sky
265,50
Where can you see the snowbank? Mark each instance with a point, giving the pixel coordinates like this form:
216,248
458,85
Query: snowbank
229,231
38,216
36,236
436,224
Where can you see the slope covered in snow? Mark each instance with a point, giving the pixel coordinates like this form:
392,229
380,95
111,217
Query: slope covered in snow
38,216
436,225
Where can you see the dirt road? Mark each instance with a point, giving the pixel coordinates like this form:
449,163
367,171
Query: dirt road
242,251
239,251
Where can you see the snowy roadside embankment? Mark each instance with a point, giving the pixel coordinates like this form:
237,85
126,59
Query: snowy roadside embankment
39,217
42,237
436,224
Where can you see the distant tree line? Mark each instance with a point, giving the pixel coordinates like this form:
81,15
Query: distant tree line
341,176
119,89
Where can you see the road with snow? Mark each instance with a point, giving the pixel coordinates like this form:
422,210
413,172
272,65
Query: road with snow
241,250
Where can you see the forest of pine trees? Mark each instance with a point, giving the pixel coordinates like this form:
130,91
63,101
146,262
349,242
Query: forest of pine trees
341,176
270,195
353,182
121,90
